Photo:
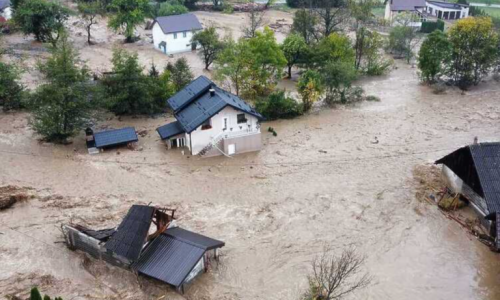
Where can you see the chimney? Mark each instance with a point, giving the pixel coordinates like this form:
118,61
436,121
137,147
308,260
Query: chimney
212,92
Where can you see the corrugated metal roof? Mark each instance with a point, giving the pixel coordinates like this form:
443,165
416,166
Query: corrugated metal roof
132,232
194,105
479,167
193,238
4,4
189,93
406,5
115,137
179,23
169,260
170,130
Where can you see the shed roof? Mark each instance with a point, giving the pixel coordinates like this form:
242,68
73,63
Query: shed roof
406,5
132,232
115,137
178,23
479,167
171,256
169,130
4,4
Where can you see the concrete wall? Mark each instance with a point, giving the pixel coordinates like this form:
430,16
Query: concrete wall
174,45
201,138
244,144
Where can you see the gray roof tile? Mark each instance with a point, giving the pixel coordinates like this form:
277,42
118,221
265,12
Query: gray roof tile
4,4
406,5
115,137
170,130
178,23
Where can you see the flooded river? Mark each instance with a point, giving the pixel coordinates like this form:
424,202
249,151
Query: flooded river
340,177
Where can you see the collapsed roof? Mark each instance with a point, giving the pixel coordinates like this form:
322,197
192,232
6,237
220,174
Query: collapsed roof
478,166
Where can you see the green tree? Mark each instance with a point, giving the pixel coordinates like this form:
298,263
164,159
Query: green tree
233,64
295,50
372,61
434,56
210,43
336,47
191,4
338,77
169,9
128,91
310,87
474,50
128,14
41,18
304,23
90,10
12,93
35,294
62,106
180,72
278,106
402,41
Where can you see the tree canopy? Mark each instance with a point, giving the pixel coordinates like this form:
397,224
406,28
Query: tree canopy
295,50
210,43
128,14
434,56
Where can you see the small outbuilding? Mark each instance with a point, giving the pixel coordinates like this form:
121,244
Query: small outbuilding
5,9
173,34
110,138
447,10
474,172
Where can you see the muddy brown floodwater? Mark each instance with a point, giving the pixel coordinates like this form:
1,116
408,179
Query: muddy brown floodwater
340,177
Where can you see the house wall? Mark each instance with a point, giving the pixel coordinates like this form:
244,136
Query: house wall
244,144
6,13
461,13
392,15
174,45
201,138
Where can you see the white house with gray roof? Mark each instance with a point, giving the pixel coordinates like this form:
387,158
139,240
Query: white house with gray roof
423,10
5,9
447,10
173,34
211,121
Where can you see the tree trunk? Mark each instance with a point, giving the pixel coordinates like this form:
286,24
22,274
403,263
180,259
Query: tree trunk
290,72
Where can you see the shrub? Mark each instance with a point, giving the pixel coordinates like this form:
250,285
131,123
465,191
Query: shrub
428,27
227,8
12,93
168,9
372,98
278,106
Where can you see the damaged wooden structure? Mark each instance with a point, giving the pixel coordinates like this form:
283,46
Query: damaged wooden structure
474,172
149,243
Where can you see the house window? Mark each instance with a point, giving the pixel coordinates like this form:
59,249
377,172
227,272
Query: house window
184,34
175,35
206,125
225,124
241,118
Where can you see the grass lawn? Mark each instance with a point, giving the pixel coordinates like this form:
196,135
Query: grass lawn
378,11
492,11
486,1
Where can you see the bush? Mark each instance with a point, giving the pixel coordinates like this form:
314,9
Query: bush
278,106
12,93
372,98
168,9
428,27
227,8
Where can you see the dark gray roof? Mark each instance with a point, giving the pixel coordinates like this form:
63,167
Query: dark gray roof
193,238
132,232
169,260
170,130
115,137
178,23
102,235
479,167
195,105
189,93
406,5
448,5
4,4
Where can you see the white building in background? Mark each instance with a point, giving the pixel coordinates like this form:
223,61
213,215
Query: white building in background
173,34
395,7
447,10
5,9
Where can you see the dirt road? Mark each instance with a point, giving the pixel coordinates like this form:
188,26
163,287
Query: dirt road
338,176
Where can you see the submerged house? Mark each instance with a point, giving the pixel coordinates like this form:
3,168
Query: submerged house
211,121
474,172
173,34
149,243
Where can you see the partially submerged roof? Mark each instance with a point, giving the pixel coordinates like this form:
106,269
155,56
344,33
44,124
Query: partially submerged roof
170,130
173,255
4,4
194,104
178,23
132,232
448,5
406,5
479,167
115,137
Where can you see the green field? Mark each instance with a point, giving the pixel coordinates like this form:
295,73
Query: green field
378,11
492,11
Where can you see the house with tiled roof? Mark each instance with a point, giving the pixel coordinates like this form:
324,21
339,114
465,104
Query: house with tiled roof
211,121
173,34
